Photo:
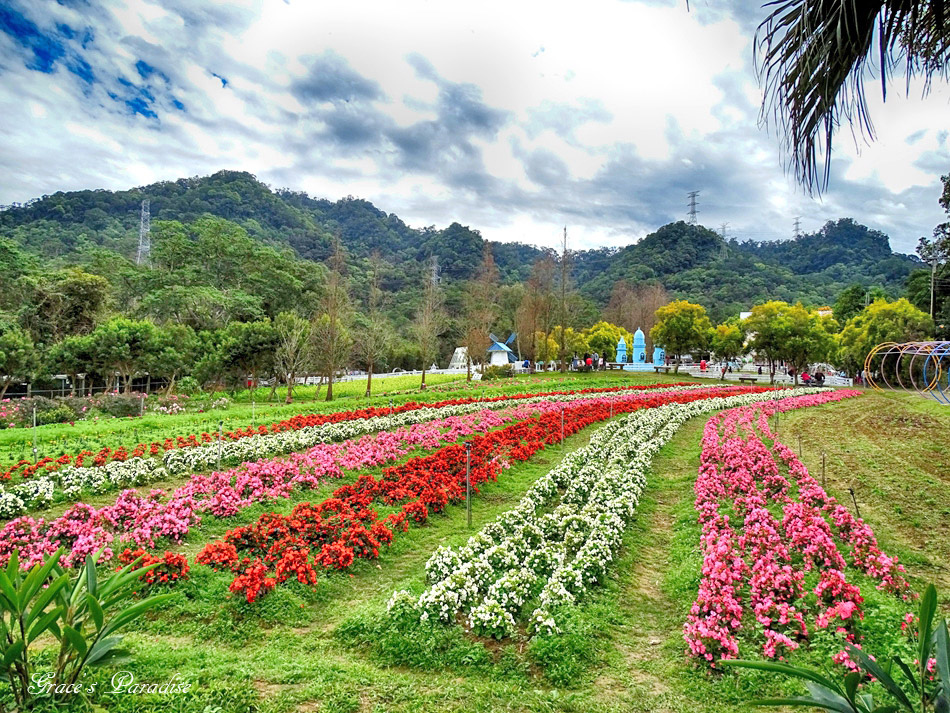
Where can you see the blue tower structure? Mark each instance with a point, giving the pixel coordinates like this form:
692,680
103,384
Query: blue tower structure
639,355
621,351
659,356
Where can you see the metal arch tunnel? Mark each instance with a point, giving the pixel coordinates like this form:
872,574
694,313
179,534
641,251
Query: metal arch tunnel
921,367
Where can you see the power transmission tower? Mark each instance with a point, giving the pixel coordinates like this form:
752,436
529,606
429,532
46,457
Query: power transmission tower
692,207
798,227
436,278
145,240
722,234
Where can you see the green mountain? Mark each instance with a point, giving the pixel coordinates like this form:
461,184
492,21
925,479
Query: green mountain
689,260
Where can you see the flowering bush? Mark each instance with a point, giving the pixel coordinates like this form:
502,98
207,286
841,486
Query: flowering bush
754,562
168,569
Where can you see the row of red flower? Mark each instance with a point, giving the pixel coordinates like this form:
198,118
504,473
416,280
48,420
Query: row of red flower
345,527
86,458
754,568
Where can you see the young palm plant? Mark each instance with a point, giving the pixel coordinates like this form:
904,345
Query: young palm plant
908,688
81,612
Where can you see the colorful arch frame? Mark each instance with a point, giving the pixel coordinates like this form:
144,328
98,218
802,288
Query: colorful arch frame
925,366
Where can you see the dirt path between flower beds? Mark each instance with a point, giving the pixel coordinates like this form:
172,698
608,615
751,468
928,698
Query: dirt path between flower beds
648,669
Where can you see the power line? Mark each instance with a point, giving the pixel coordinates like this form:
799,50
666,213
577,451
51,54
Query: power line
691,214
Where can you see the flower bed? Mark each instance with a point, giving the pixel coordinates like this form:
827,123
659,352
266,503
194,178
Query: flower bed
26,468
143,520
563,534
344,528
764,533
62,481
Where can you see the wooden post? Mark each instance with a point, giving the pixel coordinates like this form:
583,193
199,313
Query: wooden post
562,424
468,482
220,439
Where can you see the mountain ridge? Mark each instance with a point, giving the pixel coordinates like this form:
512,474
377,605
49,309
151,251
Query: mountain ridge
691,261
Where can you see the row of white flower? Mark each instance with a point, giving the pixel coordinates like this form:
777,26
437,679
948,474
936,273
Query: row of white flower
559,540
72,482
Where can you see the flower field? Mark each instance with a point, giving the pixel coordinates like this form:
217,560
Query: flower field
143,520
563,535
34,486
331,552
770,540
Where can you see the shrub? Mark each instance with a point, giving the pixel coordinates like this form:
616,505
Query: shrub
497,372
189,385
80,611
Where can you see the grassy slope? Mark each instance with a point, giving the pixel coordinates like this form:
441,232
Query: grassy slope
624,651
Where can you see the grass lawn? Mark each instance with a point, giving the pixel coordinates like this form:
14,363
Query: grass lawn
333,649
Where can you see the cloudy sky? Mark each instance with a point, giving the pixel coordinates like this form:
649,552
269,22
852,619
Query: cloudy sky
515,118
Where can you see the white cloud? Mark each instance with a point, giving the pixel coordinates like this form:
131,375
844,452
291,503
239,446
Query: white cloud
515,118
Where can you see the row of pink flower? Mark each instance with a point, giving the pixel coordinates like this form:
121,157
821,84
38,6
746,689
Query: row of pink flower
758,567
143,520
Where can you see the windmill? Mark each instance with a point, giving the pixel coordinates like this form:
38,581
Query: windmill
500,352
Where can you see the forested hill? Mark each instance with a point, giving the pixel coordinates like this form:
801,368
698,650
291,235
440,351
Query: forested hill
690,261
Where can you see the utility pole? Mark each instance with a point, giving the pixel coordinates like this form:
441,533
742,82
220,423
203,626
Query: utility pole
691,214
933,279
563,346
798,226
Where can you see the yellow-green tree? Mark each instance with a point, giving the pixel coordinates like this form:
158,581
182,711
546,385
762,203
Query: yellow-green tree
681,327
881,321
790,333
574,341
727,340
602,337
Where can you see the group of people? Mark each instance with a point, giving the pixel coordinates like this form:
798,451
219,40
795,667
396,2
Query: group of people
589,362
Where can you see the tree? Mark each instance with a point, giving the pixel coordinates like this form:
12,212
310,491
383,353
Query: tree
727,340
373,331
481,308
247,350
429,324
574,342
125,346
73,356
176,352
634,307
536,311
681,327
293,355
331,330
853,299
882,321
603,338
807,337
790,333
61,303
19,359
813,57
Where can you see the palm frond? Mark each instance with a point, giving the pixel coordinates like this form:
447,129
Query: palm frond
813,56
